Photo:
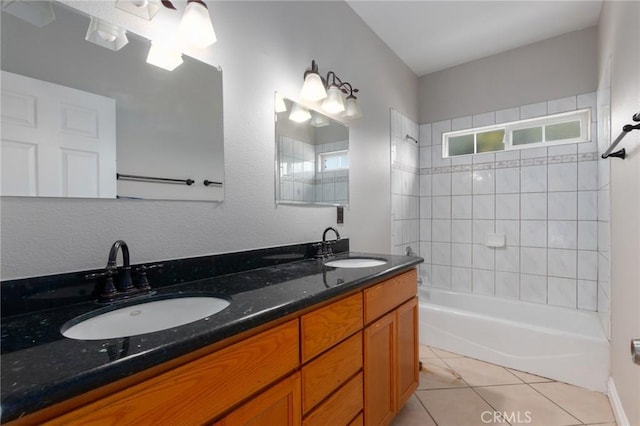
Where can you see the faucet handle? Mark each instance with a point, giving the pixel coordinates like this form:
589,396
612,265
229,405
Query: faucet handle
143,281
109,289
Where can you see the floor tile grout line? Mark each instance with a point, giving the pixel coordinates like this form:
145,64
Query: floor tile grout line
487,402
427,410
556,404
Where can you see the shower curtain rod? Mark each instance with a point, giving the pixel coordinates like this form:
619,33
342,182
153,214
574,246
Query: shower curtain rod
625,129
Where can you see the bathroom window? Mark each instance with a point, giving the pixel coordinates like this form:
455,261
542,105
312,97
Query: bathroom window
332,161
568,127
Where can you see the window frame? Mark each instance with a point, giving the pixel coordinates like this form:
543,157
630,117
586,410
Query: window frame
581,115
336,153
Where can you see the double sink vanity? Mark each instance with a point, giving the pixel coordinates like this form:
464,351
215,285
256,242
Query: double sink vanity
283,337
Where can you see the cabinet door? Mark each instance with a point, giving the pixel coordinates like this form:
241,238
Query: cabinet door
379,371
279,405
407,351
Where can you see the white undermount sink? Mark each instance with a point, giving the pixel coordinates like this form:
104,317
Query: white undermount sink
144,318
356,262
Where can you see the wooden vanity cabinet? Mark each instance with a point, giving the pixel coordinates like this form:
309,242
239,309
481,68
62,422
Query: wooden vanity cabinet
352,361
390,347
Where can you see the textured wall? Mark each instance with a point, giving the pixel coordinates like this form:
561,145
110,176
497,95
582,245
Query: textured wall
262,47
550,69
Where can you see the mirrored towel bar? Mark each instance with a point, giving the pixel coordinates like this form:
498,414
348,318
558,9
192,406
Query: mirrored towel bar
154,179
625,129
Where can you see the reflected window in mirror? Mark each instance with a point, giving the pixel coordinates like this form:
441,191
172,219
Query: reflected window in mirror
312,156
114,115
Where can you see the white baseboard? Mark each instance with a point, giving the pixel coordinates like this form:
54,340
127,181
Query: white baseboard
616,405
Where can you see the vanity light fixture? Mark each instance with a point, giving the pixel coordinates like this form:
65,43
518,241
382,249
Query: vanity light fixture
164,55
318,120
331,89
196,26
299,114
145,9
106,35
38,13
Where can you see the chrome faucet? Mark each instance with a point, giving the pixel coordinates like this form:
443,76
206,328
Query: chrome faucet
324,247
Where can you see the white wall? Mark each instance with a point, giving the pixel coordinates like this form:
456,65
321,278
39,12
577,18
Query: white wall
619,34
549,69
263,47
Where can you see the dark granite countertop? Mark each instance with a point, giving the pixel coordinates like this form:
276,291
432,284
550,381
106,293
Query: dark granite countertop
40,367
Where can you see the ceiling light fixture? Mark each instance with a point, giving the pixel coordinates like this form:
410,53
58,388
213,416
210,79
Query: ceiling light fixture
331,89
196,26
106,35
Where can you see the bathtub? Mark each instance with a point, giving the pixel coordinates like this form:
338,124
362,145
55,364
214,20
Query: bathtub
563,344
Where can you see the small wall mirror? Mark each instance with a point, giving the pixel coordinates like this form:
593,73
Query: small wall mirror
79,119
312,156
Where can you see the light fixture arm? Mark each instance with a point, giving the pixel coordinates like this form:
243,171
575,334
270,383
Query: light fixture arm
169,5
330,77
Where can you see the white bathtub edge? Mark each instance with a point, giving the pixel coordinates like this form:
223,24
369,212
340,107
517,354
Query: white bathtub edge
616,404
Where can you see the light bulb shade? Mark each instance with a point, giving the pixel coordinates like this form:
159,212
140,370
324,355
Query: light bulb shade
106,35
145,9
319,120
313,89
280,105
333,104
164,56
196,27
38,13
299,114
352,108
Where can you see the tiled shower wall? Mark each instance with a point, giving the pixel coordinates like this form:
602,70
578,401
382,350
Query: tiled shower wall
545,200
405,192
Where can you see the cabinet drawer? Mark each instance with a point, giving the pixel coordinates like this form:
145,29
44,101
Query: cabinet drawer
358,421
324,327
201,390
389,294
330,370
341,407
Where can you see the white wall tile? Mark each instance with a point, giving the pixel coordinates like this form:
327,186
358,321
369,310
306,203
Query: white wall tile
562,263
507,180
483,157
436,157
533,179
508,259
425,251
587,205
483,257
461,183
425,229
562,292
566,149
461,231
588,100
425,273
461,207
425,135
508,155
425,157
533,260
480,230
507,115
507,206
588,235
563,234
587,295
410,206
441,276
441,184
533,153
396,207
437,129
486,119
484,206
410,231
563,177
441,253
587,265
533,233
533,110
533,206
483,282
425,185
461,255
441,230
483,182
511,229
461,123
461,279
396,123
508,284
441,207
556,106
533,288
462,160
562,205
396,233
587,175
425,207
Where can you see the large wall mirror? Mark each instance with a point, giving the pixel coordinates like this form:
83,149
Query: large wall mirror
312,156
81,120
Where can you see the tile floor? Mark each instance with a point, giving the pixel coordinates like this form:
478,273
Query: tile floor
459,391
